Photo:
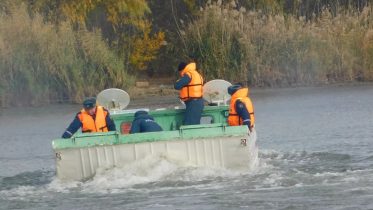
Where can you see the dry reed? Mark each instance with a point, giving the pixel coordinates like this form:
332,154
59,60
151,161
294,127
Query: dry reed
279,49
42,62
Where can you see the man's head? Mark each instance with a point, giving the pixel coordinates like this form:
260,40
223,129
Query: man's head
233,88
181,66
89,105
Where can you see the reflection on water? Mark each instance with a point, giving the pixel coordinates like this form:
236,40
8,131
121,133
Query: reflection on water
315,149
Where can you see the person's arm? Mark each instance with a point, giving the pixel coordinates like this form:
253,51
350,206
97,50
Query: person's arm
243,113
135,127
110,123
73,127
183,81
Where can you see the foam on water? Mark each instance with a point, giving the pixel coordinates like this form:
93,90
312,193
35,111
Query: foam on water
274,169
156,175
157,171
301,168
150,170
21,192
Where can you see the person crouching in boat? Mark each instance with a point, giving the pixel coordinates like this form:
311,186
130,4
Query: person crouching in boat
241,109
143,122
91,118
191,91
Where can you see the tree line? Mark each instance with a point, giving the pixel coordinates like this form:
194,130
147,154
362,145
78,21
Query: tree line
58,51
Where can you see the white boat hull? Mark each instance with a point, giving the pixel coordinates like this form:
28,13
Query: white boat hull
236,153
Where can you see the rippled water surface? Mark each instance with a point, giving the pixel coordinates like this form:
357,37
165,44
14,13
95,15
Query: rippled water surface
316,152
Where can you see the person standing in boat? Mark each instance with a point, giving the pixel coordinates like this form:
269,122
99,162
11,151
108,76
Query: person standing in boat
143,122
241,109
91,118
191,91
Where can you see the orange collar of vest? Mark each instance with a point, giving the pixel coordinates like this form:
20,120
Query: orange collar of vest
189,67
243,92
84,111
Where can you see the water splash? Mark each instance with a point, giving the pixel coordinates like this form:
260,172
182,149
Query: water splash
153,170
274,170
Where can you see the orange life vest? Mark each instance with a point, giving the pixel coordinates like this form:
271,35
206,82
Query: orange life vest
93,125
234,118
194,87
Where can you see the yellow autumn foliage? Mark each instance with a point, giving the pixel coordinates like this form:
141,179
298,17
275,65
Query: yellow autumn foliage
146,47
134,39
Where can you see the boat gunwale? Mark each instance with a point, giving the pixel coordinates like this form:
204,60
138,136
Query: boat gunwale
190,132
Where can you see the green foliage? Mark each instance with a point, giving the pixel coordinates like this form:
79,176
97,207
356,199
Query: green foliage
117,11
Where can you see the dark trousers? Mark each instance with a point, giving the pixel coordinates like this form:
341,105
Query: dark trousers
193,111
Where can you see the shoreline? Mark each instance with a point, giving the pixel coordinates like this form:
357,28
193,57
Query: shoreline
165,94
323,85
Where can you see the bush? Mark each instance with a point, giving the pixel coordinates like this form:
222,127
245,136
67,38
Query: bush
42,62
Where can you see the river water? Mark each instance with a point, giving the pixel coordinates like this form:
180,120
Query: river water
316,152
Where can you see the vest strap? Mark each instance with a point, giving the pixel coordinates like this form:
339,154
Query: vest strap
193,85
102,128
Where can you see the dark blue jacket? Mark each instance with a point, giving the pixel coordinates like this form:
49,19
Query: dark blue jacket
144,123
183,81
243,113
76,124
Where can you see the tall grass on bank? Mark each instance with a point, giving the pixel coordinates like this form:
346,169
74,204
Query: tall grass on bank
281,50
42,62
